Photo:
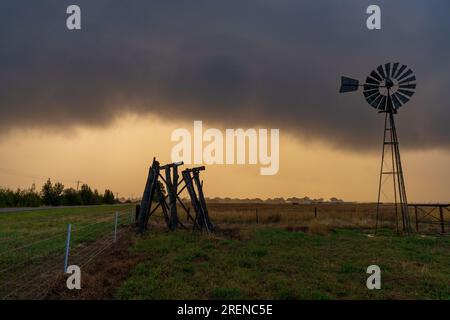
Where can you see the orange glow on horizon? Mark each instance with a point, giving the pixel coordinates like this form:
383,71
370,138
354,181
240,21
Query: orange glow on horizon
118,156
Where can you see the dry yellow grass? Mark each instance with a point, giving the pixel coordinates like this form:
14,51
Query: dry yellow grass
317,227
329,215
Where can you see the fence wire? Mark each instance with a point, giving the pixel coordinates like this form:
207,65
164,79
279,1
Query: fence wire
29,270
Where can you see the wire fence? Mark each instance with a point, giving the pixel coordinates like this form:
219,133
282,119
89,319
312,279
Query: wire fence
30,265
49,224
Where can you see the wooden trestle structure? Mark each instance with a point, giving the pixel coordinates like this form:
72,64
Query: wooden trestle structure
168,176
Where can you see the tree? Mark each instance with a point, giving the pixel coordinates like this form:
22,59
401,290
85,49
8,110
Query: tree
97,198
27,198
54,195
58,189
46,193
7,198
86,194
71,197
51,194
108,197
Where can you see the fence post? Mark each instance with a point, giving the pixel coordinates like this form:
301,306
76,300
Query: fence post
315,212
66,257
441,215
256,213
115,226
136,217
417,221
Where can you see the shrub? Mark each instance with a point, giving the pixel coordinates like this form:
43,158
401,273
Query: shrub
71,197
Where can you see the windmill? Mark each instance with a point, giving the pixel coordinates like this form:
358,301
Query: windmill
387,88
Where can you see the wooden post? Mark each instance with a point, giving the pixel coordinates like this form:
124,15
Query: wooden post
315,212
193,195
171,187
201,199
256,213
163,204
147,197
136,216
441,214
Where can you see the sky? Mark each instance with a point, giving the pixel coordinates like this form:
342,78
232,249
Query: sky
97,104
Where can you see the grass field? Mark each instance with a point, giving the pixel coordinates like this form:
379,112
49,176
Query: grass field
274,263
262,251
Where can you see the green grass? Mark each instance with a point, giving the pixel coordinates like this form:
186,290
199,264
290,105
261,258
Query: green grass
32,237
278,264
268,263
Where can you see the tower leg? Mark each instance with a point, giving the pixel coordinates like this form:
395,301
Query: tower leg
393,144
403,200
379,218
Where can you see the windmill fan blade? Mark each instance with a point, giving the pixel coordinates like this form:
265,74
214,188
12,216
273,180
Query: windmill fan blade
382,105
394,69
372,81
372,98
407,86
407,73
410,79
376,101
403,67
397,103
381,72
375,75
402,98
348,85
370,87
387,66
406,92
371,94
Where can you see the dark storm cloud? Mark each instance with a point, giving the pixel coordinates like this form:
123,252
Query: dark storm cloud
235,63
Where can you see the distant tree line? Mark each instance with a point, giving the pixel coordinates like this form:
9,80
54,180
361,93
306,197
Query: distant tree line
54,195
293,200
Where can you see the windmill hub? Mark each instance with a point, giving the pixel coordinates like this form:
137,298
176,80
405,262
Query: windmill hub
388,83
388,87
